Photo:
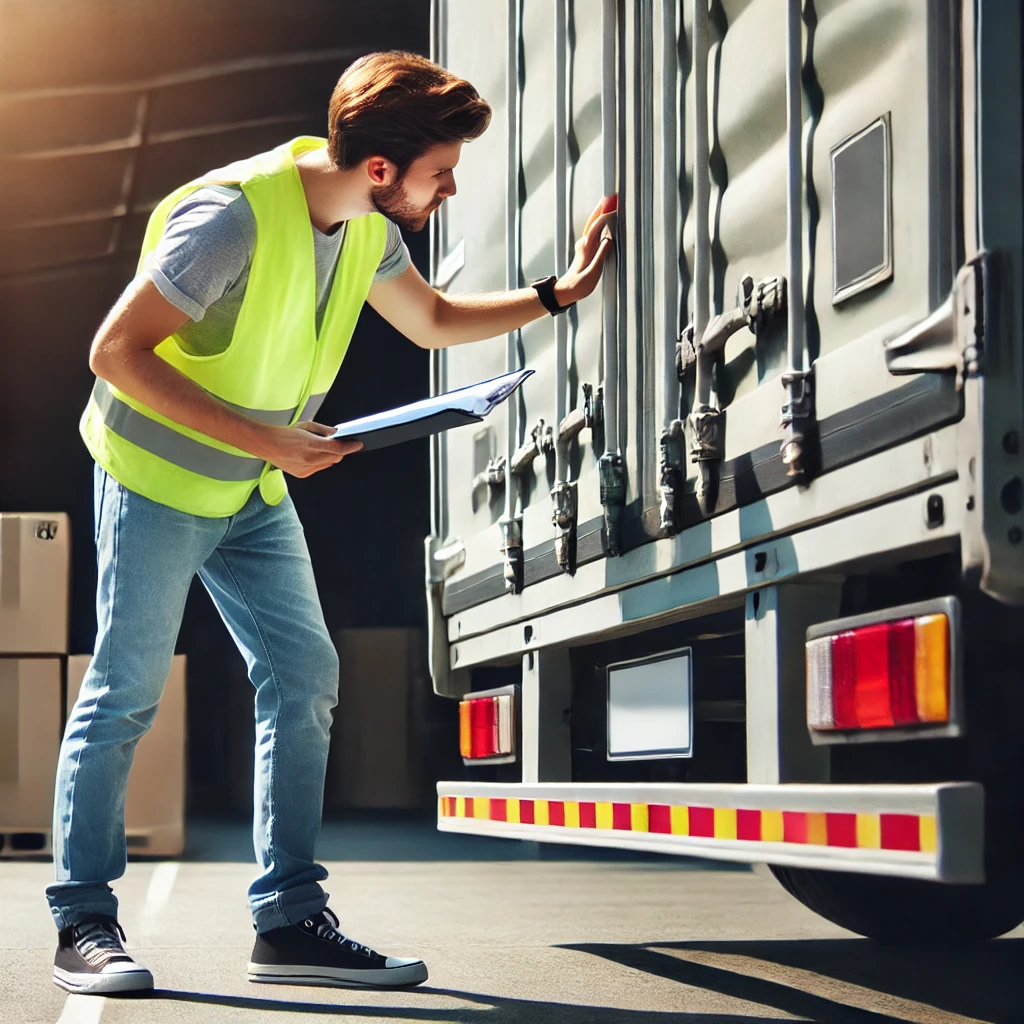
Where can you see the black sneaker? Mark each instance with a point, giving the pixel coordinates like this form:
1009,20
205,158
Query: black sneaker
91,959
314,952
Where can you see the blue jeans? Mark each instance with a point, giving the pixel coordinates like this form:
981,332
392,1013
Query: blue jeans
256,568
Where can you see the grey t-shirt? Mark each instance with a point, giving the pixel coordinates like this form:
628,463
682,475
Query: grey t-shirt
201,263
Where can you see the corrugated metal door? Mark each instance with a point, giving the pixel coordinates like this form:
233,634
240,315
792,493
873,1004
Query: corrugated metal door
887,64
879,72
476,217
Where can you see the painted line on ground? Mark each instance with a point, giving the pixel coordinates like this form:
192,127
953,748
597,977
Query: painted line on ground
158,895
79,1009
82,1009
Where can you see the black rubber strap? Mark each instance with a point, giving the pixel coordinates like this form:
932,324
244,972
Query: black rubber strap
545,288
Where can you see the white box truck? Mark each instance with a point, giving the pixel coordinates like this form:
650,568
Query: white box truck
737,572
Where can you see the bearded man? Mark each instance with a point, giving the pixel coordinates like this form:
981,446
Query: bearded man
210,369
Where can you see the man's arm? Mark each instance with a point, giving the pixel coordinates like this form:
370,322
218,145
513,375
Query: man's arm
122,353
433,319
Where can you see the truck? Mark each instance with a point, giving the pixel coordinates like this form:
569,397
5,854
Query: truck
738,572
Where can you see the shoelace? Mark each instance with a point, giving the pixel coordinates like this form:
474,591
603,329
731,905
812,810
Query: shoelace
327,929
98,941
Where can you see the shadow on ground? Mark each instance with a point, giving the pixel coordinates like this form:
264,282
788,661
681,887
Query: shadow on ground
485,1007
984,982
832,981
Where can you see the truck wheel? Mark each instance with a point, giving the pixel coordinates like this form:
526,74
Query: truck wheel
905,909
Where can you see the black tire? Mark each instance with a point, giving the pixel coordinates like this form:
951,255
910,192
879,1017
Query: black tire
897,910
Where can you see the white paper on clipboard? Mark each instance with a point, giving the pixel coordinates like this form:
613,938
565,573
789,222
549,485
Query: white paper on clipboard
431,415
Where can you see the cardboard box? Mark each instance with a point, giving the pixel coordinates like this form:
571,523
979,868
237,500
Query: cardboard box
30,734
34,571
375,749
154,815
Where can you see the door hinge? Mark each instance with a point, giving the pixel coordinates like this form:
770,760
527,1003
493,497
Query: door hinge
953,337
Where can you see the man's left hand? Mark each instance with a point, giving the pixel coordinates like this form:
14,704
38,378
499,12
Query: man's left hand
592,249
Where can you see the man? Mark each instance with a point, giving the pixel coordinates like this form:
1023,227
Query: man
210,369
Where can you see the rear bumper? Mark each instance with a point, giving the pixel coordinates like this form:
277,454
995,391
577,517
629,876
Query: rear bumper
931,832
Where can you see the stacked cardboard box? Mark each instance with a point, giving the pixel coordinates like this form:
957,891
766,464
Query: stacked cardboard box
34,570
34,597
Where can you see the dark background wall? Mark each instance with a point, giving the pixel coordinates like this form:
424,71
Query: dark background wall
105,106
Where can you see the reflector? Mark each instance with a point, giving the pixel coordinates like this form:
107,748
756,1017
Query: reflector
819,683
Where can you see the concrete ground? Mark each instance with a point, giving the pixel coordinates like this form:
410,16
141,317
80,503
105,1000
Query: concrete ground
512,933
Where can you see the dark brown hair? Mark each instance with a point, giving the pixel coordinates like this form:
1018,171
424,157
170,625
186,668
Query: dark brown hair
397,105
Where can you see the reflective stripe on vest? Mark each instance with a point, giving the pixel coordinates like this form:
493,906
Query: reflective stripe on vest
161,440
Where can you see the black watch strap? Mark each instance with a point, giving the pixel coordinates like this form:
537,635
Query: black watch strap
545,288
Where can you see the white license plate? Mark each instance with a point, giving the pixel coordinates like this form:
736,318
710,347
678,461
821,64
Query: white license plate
650,707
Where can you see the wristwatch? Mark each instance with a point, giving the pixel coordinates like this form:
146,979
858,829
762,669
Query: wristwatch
545,287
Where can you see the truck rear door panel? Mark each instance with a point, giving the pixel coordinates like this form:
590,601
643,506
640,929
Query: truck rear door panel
892,64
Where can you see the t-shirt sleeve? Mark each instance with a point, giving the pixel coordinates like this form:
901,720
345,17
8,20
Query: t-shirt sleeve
395,260
206,246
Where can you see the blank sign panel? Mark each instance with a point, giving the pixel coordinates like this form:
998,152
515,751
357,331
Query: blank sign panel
650,707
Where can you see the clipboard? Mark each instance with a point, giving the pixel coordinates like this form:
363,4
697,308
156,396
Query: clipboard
431,415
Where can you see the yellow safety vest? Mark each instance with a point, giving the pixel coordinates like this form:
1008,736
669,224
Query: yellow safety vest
276,368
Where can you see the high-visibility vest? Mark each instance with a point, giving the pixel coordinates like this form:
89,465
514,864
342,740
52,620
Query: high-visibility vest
276,369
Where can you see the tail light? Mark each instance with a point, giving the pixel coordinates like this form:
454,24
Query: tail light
487,726
896,670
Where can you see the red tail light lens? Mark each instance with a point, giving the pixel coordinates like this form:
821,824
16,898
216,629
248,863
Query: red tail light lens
872,703
903,672
844,682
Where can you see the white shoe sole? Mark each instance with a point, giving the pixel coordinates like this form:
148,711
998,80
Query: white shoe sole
138,980
297,974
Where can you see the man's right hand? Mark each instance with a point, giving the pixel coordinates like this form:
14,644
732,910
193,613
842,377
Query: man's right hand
305,448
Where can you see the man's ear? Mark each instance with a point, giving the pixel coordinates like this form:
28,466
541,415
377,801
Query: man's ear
381,171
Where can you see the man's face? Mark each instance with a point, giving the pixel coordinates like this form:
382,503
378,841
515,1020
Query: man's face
428,181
